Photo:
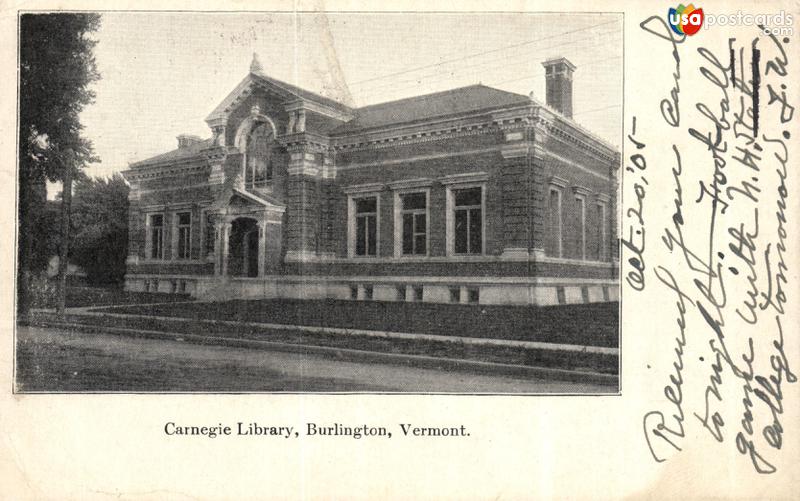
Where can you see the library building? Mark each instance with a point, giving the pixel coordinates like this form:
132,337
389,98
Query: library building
473,195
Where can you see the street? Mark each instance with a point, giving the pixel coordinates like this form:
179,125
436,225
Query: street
55,360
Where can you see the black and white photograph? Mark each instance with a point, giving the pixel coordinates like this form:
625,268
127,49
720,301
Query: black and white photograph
349,250
318,202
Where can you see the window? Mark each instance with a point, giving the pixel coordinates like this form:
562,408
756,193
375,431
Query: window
554,238
413,221
353,292
473,295
580,215
366,226
401,292
600,228
455,294
468,220
258,156
368,292
465,213
417,290
184,235
156,236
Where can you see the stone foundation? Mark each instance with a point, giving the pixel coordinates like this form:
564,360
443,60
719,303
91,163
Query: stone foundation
463,290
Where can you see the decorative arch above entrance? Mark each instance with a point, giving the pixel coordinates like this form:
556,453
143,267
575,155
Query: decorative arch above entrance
247,226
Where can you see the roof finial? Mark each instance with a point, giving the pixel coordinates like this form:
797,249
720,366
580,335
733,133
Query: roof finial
255,65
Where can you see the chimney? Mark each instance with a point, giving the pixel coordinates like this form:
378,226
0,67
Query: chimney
558,77
186,140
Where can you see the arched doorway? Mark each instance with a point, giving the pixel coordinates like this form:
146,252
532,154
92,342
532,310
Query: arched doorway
243,245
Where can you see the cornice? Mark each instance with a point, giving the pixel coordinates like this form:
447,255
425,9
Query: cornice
363,188
559,181
165,170
422,182
566,136
581,190
481,122
321,109
466,178
302,141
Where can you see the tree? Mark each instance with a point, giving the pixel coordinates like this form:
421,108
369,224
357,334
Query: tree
99,242
57,66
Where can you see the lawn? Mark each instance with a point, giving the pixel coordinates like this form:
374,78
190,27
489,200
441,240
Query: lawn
584,324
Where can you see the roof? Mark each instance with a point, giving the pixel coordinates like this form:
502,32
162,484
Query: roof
191,150
412,109
305,94
279,86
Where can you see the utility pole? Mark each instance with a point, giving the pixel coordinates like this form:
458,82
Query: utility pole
66,209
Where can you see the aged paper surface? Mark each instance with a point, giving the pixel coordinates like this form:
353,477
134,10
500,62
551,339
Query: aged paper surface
708,400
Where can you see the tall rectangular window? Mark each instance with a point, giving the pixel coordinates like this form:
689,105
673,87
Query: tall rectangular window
184,235
554,237
580,214
366,226
413,214
468,219
601,232
156,236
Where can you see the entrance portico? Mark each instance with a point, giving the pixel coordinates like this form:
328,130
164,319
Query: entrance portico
248,235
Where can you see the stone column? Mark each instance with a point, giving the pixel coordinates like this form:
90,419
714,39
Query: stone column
218,228
262,246
226,233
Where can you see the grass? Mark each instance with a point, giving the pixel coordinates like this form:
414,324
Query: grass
584,324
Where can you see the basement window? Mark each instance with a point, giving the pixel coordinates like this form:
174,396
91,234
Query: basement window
353,292
417,289
473,295
368,292
455,294
562,297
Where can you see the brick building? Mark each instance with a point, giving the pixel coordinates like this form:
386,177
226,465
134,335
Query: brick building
473,195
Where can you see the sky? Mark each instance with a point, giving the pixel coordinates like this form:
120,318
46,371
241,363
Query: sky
163,73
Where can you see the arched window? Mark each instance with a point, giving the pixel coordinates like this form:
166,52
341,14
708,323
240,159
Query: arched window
258,156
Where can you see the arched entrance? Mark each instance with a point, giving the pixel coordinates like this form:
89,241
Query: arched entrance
243,248
246,229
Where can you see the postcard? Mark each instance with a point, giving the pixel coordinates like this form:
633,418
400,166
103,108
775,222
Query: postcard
415,250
